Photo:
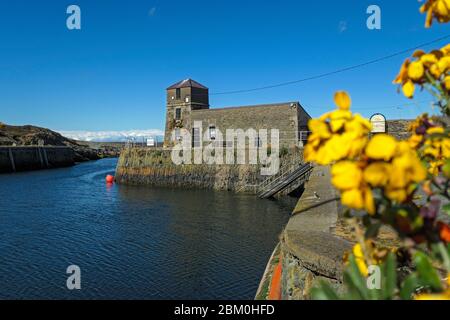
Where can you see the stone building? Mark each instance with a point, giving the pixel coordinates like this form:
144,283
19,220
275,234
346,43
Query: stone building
188,111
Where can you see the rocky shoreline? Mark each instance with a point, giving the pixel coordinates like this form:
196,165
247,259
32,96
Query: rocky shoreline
36,136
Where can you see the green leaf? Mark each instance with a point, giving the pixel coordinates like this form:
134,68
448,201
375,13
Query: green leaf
409,286
389,276
356,283
324,292
446,208
427,274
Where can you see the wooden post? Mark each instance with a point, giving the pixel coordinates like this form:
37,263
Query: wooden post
11,158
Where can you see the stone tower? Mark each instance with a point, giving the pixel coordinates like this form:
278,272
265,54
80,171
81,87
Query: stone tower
182,98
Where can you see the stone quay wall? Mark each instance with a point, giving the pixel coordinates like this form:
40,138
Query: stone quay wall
309,250
154,167
24,158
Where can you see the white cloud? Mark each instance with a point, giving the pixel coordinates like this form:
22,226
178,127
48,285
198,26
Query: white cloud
111,136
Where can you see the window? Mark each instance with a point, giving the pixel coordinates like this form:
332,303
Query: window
196,142
212,133
258,143
177,134
178,93
177,113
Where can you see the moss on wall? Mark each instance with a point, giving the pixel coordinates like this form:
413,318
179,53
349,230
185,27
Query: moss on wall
145,166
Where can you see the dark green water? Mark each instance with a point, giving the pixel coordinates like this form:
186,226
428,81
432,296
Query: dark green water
130,242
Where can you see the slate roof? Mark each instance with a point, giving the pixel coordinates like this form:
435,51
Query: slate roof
187,83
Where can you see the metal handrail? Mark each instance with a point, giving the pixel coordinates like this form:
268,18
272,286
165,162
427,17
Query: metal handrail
287,168
283,172
304,174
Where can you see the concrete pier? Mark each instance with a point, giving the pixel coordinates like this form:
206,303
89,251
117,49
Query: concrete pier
309,250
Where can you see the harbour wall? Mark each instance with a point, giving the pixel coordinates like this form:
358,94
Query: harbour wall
309,250
147,166
24,158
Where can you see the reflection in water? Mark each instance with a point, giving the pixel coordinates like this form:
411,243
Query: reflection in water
130,242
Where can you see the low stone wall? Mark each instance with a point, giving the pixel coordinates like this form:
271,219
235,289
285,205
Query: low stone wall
309,249
145,166
34,158
399,128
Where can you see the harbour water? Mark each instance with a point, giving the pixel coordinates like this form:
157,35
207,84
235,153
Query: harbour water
130,242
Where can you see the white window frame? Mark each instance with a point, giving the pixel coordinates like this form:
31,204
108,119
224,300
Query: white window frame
212,132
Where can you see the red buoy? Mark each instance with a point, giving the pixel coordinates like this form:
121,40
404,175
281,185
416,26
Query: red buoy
109,179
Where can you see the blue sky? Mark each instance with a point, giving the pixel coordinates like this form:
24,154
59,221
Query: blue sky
112,74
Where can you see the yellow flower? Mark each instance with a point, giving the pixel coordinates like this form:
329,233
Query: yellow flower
336,135
319,128
417,122
360,261
406,168
446,49
441,8
433,296
377,174
398,195
338,118
435,167
332,150
355,145
403,73
444,64
435,71
436,9
408,89
342,100
430,150
359,199
435,130
428,59
310,152
369,203
348,178
346,175
416,70
446,148
358,126
447,83
381,147
353,198
436,149
415,140
418,53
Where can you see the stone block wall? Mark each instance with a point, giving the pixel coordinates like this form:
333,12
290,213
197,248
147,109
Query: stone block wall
398,128
34,158
283,117
144,166
310,251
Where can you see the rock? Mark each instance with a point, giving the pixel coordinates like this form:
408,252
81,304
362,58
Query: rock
31,135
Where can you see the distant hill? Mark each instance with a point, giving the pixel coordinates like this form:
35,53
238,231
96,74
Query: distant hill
31,135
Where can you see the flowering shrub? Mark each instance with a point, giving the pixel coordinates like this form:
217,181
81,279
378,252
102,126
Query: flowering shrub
436,10
401,184
430,71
